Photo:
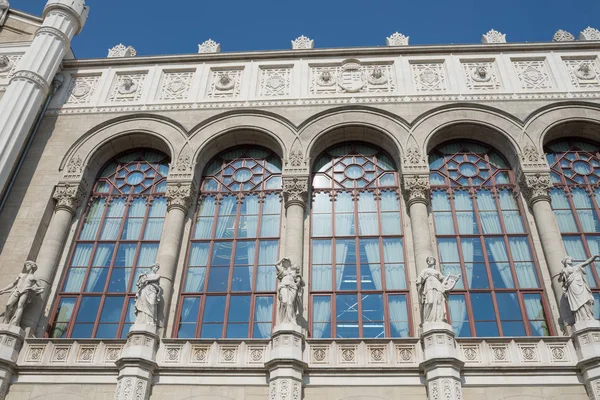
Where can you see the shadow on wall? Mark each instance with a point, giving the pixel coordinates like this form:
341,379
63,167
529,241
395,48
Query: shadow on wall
61,396
209,397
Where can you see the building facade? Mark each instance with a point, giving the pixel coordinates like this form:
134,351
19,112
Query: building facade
357,165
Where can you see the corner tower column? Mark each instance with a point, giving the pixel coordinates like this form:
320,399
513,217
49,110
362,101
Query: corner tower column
30,84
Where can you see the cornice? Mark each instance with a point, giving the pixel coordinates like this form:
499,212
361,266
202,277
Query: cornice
390,51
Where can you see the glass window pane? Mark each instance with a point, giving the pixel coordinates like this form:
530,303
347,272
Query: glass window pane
81,256
88,309
459,316
189,309
345,251
112,309
221,253
214,309
239,309
195,280
125,255
242,279
199,254
321,277
74,280
119,280
148,253
218,279
96,279
321,251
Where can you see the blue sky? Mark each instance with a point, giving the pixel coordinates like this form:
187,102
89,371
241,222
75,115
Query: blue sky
178,26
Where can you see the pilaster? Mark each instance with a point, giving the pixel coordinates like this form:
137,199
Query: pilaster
11,341
586,340
285,365
137,364
441,364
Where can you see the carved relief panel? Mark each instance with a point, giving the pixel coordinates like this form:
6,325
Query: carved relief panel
352,77
224,84
275,81
127,87
429,77
533,74
175,85
8,65
481,75
584,73
81,89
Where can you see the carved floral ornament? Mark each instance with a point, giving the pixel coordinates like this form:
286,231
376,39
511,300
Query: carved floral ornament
179,195
493,36
530,154
589,33
121,51
416,188
585,71
413,156
209,46
397,39
295,190
295,158
69,195
302,43
536,185
563,36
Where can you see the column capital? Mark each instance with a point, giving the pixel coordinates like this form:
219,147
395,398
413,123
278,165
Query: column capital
295,190
416,189
180,195
535,186
70,195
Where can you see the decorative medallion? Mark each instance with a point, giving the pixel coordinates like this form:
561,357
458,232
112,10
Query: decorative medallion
275,82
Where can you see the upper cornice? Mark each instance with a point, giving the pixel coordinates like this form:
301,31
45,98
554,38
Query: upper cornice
427,50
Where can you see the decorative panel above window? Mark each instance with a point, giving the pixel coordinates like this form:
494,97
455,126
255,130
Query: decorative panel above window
575,172
481,235
358,280
230,279
116,242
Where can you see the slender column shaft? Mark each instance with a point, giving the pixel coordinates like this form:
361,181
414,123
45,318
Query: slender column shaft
295,192
179,197
69,197
416,190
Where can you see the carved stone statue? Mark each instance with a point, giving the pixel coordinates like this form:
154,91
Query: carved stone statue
21,291
577,289
147,298
433,287
4,6
289,291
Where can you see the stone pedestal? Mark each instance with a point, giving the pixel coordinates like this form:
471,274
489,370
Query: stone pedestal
586,339
137,364
285,365
442,364
11,341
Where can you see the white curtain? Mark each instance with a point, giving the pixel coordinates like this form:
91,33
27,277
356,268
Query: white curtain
395,274
535,313
490,221
594,245
112,224
497,253
249,218
81,258
157,213
562,211
371,247
321,315
519,248
135,218
206,216
585,212
450,260
250,252
267,257
367,214
464,215
344,214
196,276
321,219
147,254
226,220
92,220
342,248
399,314
510,212
271,216
190,304
468,249
102,258
441,211
321,261
263,315
458,313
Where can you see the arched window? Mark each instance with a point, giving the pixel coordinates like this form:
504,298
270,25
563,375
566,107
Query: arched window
116,242
481,236
575,171
230,279
358,277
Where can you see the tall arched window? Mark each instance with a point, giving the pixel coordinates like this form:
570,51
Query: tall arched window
230,279
358,276
481,236
575,171
116,242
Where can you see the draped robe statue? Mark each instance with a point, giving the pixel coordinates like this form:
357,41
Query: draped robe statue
432,287
289,291
147,298
579,294
22,290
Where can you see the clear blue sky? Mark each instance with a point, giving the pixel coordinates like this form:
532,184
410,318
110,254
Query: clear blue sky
178,26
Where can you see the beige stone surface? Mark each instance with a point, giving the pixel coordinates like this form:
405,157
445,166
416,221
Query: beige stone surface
23,391
548,392
365,393
190,392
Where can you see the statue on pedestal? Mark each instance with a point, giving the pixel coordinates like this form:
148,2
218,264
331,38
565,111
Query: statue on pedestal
579,294
22,290
433,287
147,297
289,291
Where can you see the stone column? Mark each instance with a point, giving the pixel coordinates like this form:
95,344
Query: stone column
586,340
295,195
137,364
416,191
441,364
69,196
30,84
179,198
11,341
535,187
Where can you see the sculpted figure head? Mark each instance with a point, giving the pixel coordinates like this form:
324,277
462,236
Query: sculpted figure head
567,261
431,261
30,266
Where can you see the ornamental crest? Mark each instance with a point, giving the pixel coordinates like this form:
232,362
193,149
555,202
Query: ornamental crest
351,78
